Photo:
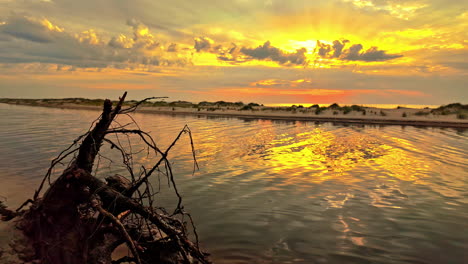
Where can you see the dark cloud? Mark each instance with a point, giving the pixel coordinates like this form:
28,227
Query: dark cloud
26,28
231,54
372,54
338,47
269,52
31,40
172,48
202,44
353,53
322,49
236,55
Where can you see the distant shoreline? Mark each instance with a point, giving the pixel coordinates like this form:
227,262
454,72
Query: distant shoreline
392,116
431,123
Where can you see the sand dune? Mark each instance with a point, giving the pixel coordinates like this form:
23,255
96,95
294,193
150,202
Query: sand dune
367,115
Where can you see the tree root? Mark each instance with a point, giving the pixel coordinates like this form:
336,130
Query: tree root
81,219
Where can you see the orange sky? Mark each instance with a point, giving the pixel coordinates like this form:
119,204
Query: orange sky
345,51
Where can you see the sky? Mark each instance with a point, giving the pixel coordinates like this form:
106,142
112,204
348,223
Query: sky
264,51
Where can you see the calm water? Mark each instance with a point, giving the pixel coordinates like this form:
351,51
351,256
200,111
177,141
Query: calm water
282,192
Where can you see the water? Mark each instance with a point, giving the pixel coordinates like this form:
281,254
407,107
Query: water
282,192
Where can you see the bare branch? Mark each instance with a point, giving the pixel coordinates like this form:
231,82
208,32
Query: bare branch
122,230
134,107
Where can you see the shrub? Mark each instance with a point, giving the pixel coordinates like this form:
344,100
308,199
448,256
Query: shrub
346,109
404,114
382,113
334,106
246,107
357,108
421,113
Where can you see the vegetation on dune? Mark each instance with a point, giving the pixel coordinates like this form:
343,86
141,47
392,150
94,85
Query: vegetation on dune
422,113
98,102
457,109
460,110
336,108
246,107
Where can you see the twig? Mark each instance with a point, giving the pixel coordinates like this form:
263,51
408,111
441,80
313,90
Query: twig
122,230
134,107
163,158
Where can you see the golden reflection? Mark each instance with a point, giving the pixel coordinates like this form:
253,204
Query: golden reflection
321,152
327,156
387,196
337,200
301,154
343,226
400,164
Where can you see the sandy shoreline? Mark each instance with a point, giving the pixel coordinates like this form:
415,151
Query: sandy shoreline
392,116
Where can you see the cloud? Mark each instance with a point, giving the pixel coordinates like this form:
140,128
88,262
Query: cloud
353,53
172,48
372,54
280,83
89,37
33,40
142,36
338,47
121,41
231,54
234,54
395,8
35,30
269,52
322,49
203,44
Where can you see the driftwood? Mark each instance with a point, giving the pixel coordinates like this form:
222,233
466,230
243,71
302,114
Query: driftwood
82,219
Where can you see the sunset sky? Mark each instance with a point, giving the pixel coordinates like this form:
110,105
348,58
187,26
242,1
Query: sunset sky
265,51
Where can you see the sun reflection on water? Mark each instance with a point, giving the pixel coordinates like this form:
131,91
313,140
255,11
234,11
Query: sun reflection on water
326,155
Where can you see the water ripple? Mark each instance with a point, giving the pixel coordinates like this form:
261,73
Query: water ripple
279,191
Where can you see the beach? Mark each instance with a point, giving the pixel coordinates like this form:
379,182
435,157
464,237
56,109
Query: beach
365,115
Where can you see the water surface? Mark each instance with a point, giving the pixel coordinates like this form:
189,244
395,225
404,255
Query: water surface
278,191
